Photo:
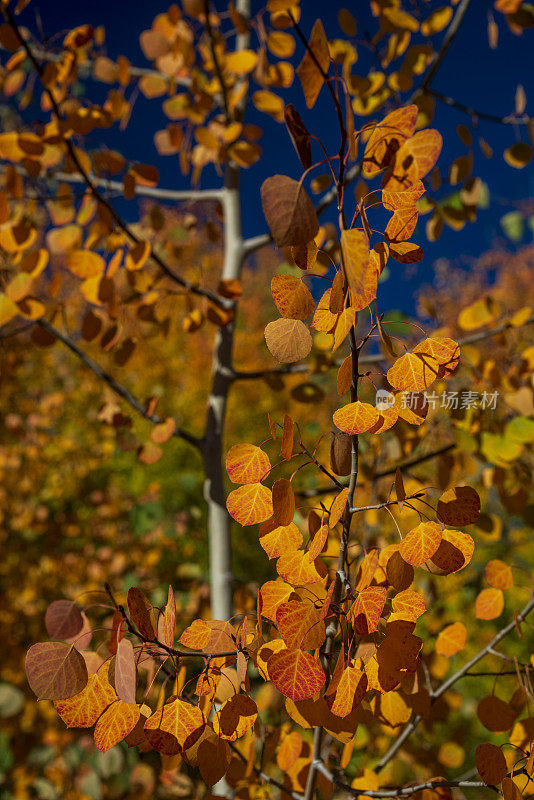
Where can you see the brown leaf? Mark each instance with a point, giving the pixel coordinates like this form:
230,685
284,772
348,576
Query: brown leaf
289,212
55,671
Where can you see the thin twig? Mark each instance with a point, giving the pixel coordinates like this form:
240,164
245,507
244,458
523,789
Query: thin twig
117,387
446,685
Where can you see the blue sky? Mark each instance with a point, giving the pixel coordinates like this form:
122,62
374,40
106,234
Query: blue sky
471,73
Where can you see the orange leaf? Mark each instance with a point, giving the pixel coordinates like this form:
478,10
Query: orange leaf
273,593
85,264
250,504
174,727
498,574
350,691
310,75
83,709
292,297
413,372
137,256
277,539
408,605
451,639
323,319
196,636
445,351
289,750
295,567
246,463
356,417
288,340
386,137
454,552
115,723
295,674
299,625
415,159
345,321
421,543
406,252
235,717
366,610
361,275
489,604
338,507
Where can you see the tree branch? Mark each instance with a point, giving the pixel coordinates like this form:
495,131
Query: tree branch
176,195
117,387
193,288
446,685
410,462
511,119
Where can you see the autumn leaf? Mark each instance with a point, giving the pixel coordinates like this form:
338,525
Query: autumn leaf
299,625
55,671
174,727
367,609
413,372
386,137
289,212
312,68
63,619
277,539
250,504
350,691
459,506
246,463
498,574
83,709
489,604
451,639
288,340
115,723
490,763
296,674
361,275
356,418
292,297
235,717
421,543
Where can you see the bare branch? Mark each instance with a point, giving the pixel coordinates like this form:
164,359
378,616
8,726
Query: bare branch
175,195
446,685
511,119
410,462
117,387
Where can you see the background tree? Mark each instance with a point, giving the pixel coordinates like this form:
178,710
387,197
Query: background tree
115,292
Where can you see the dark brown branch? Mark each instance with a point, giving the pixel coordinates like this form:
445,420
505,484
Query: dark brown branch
410,462
171,651
117,387
511,119
217,66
